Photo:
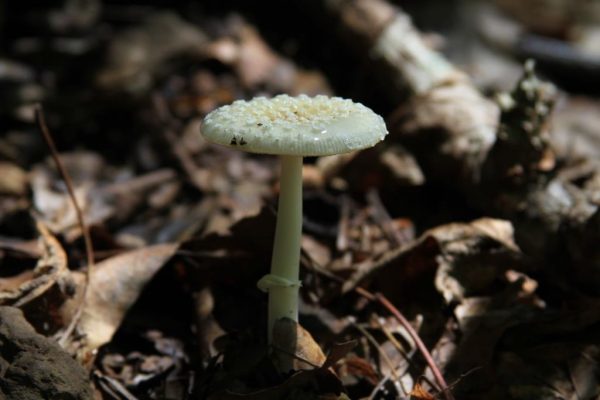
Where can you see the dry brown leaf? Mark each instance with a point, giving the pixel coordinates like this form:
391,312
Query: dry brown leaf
376,167
461,258
255,63
475,256
517,352
14,179
294,347
138,55
102,192
208,329
55,207
115,284
50,269
402,165
359,367
419,393
337,352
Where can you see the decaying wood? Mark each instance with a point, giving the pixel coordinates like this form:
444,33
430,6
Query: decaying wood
459,121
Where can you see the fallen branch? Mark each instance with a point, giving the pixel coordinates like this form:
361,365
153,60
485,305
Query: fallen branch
451,128
438,109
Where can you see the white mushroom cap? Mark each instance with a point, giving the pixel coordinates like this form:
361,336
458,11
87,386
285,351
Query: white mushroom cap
302,126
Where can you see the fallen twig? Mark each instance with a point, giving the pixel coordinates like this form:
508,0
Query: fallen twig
89,250
405,324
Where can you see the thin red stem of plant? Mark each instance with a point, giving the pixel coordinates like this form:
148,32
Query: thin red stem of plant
89,250
420,345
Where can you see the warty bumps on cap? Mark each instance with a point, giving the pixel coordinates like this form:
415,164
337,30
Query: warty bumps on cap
301,126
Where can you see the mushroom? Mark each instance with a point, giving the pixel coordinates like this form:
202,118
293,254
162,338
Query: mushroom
292,127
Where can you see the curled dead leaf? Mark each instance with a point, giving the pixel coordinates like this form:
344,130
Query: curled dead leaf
51,269
294,347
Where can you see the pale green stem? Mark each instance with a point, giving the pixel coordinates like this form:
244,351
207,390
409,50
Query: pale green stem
283,281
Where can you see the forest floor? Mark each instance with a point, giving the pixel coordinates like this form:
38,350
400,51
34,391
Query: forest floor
458,259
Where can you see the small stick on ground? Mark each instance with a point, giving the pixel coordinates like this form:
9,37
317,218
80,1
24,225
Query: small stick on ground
420,345
444,388
89,250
